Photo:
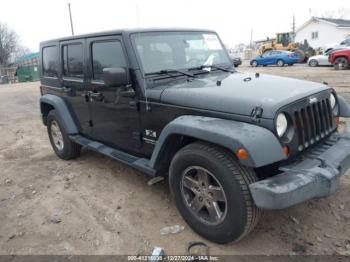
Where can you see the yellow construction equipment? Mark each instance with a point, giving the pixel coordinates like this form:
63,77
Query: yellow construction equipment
285,41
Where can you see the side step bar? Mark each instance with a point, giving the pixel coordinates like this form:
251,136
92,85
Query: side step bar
140,164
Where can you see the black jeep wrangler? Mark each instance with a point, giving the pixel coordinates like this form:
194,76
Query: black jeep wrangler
170,103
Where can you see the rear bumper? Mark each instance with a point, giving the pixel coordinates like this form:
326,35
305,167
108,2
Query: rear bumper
316,174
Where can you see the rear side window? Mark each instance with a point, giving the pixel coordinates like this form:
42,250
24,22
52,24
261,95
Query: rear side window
107,54
49,62
73,60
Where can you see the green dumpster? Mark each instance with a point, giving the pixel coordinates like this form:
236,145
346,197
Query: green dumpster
27,73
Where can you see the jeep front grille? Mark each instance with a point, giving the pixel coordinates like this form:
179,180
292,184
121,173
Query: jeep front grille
313,123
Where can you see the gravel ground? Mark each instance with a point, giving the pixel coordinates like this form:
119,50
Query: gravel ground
94,205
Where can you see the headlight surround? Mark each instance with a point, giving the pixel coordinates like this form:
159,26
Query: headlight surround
281,124
334,104
333,101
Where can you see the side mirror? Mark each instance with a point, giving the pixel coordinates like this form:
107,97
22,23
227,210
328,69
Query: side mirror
115,77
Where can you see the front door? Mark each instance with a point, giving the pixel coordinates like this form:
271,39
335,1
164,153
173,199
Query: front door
74,81
115,118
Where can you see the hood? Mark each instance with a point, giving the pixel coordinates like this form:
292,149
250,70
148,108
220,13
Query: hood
238,93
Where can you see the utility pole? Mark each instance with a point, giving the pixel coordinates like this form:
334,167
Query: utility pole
293,26
71,20
251,38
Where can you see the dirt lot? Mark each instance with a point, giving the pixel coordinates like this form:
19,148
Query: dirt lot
94,205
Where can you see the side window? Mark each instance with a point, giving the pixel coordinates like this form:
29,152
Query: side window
107,54
72,56
49,61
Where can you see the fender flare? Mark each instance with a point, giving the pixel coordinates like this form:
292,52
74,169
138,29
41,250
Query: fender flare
62,111
262,146
344,108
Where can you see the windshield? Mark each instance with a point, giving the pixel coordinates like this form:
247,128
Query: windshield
178,50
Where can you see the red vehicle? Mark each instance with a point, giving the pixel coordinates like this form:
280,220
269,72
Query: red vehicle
340,59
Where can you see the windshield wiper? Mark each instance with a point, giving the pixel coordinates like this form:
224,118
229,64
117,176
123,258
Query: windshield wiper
169,71
213,66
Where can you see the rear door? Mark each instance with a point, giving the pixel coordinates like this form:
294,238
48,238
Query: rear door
74,81
115,117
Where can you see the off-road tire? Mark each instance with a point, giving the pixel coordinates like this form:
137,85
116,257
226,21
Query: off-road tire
242,214
70,149
341,63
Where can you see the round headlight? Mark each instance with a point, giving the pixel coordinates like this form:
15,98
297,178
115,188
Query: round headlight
281,124
333,101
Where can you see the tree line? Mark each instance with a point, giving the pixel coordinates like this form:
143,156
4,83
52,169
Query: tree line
10,46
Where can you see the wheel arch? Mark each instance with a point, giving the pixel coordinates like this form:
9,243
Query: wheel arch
45,109
231,135
51,102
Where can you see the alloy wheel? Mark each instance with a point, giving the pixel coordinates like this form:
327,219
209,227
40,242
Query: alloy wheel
56,135
204,195
341,63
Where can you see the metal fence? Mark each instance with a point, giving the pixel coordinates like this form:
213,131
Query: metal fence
7,75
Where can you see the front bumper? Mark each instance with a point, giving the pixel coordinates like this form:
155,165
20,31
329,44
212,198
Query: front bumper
314,174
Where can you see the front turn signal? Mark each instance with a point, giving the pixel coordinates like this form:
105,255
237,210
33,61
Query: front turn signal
286,150
242,154
337,121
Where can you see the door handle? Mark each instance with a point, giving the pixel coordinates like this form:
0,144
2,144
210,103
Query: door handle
67,89
128,93
95,95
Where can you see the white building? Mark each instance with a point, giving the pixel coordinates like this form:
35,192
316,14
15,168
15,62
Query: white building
323,32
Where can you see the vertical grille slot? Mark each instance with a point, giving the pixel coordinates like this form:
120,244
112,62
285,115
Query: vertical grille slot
320,113
305,127
326,117
330,115
317,122
313,122
300,130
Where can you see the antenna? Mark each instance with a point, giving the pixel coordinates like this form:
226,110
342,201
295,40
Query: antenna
71,20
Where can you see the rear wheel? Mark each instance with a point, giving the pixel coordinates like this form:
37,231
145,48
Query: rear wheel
60,142
254,63
313,63
211,192
280,62
341,63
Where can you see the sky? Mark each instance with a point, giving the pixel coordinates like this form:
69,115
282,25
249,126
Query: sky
235,21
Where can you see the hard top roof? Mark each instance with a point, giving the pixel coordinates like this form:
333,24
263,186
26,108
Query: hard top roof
126,31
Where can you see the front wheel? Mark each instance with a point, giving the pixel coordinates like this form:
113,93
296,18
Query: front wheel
313,63
211,192
341,63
